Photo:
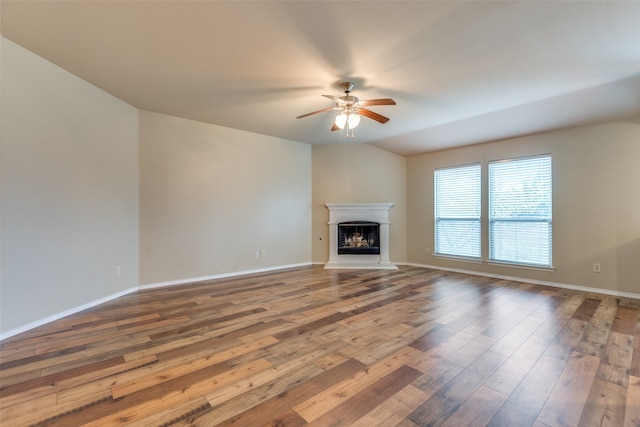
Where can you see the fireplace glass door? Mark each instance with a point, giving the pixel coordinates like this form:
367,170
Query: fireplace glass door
359,238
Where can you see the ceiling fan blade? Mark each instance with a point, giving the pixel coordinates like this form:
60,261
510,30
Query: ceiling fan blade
315,112
334,127
375,116
383,101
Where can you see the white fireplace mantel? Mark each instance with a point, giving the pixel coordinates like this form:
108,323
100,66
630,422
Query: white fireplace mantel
372,212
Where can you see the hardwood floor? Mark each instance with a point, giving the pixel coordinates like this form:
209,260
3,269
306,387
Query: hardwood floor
308,346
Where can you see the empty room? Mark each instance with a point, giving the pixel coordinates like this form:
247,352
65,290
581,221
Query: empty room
323,213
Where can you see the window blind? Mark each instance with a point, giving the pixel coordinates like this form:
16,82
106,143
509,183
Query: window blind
457,211
520,215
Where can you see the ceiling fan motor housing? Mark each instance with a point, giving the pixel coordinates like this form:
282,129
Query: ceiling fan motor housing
349,100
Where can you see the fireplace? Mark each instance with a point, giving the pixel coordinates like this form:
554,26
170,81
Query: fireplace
359,235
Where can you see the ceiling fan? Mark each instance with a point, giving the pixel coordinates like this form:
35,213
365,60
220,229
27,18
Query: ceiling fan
350,108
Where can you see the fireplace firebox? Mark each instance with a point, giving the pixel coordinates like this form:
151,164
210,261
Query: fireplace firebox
359,238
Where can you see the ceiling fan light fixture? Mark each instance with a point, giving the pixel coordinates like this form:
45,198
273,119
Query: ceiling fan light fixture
351,120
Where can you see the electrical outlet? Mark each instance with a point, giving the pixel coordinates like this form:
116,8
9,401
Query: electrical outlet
263,253
118,271
257,253
597,268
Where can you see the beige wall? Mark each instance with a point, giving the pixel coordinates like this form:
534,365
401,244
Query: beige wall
596,204
358,173
211,196
69,191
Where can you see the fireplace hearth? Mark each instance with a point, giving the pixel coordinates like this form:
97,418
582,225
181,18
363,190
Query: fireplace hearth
359,235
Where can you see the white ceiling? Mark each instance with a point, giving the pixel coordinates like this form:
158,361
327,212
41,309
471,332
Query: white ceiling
461,72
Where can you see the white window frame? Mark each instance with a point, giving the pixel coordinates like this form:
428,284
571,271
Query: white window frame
447,181
526,183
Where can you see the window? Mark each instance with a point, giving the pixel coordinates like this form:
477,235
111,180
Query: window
520,211
457,211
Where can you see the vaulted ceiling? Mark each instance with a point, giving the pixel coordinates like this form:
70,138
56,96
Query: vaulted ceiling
461,72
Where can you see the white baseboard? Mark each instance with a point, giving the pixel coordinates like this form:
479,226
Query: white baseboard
220,276
535,282
64,313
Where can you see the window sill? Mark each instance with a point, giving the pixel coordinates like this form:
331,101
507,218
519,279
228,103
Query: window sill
459,258
522,266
